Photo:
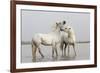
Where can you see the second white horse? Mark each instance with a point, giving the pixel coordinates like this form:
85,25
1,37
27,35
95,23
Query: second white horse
68,40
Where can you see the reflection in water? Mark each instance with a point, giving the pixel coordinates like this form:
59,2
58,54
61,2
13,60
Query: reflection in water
64,58
82,50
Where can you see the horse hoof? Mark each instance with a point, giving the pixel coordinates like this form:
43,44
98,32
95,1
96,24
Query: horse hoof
33,60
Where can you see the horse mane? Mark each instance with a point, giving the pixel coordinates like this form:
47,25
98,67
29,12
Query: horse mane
54,26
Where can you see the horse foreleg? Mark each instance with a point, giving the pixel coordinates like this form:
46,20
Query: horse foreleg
74,49
52,51
54,48
65,49
61,47
56,51
68,49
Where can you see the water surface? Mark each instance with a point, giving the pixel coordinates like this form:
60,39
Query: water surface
82,50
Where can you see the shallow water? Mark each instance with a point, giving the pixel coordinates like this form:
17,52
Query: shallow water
82,51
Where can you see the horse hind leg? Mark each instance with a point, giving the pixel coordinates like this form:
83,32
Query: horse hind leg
34,49
38,47
65,49
34,52
41,53
61,47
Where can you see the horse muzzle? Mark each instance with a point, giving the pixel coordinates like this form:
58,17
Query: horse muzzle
61,29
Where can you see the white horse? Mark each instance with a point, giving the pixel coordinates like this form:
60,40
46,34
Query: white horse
68,40
50,39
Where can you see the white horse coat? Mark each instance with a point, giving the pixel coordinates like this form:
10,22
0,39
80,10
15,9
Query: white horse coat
68,39
47,39
50,39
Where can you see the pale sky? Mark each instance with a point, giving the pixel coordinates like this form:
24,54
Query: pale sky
41,22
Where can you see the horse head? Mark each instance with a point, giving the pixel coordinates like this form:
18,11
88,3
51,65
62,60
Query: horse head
61,25
68,29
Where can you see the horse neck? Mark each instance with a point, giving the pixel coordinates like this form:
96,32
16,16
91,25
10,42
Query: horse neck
70,34
57,30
